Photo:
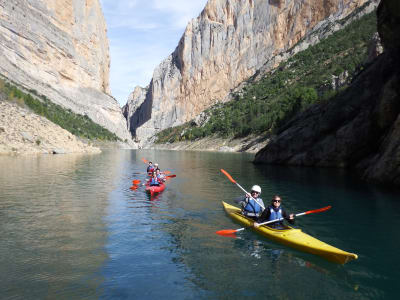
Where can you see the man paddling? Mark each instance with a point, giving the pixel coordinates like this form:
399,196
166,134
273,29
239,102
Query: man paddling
252,205
274,212
150,167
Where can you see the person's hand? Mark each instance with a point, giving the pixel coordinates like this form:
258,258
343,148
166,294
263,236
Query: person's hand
291,216
256,225
248,195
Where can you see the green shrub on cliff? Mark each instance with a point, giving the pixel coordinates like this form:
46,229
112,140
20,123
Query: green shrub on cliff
78,125
304,79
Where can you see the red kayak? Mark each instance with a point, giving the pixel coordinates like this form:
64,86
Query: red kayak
155,188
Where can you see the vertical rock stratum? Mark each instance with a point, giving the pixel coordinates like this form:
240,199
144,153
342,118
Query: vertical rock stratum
224,46
60,49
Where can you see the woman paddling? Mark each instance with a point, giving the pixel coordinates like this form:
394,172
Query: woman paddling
274,212
154,181
160,176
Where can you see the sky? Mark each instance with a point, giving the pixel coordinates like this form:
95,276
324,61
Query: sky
141,34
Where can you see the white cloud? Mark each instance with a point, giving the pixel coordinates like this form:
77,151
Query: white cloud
142,34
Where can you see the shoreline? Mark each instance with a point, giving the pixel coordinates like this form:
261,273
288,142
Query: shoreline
250,144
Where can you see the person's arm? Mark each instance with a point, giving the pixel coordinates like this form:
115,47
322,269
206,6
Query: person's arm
242,200
288,217
264,216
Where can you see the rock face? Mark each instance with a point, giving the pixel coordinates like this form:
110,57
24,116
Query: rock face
361,128
23,132
225,45
135,100
60,49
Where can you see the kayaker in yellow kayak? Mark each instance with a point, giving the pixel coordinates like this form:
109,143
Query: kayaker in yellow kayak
252,205
274,212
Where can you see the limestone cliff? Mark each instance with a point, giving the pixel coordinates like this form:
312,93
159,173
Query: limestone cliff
360,129
60,49
224,46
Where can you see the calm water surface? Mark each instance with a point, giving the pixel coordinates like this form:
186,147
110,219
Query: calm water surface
70,228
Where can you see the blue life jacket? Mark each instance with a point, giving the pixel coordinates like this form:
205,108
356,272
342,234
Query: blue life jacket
252,208
154,181
275,215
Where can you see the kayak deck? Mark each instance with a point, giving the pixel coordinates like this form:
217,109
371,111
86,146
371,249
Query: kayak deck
155,188
294,238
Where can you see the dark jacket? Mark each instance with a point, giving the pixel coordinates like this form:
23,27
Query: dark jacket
267,213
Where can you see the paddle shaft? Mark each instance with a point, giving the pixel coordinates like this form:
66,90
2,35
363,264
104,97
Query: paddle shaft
234,181
296,215
250,195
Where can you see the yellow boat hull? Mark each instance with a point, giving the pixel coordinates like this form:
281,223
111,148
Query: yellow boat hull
294,238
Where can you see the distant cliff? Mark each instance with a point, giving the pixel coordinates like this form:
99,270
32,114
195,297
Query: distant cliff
60,49
224,46
360,129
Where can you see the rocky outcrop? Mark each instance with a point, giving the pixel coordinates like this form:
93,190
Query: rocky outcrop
360,129
225,45
24,133
135,101
60,49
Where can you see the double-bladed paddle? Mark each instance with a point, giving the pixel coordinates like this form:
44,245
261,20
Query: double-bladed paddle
234,181
231,232
147,162
137,181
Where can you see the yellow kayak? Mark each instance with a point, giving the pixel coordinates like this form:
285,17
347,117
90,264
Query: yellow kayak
294,238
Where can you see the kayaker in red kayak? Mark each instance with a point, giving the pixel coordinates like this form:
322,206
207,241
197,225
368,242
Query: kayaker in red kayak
160,176
154,180
150,167
250,208
273,212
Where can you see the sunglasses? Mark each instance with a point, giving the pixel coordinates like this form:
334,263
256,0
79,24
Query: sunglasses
277,201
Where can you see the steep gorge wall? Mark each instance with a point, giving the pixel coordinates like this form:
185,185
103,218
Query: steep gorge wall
60,49
360,129
224,46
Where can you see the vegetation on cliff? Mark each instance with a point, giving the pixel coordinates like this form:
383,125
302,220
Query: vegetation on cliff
79,125
316,74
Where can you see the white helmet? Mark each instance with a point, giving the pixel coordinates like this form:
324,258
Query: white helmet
156,164
256,188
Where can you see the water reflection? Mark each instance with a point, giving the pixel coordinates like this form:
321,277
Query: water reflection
71,227
52,230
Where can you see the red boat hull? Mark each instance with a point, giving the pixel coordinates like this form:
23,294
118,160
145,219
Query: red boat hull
155,189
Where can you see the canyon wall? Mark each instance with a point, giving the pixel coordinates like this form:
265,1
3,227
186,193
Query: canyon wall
224,46
360,129
60,49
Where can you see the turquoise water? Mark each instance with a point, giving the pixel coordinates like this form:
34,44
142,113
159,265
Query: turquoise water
71,228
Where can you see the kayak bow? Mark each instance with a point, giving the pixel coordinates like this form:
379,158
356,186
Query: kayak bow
155,188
